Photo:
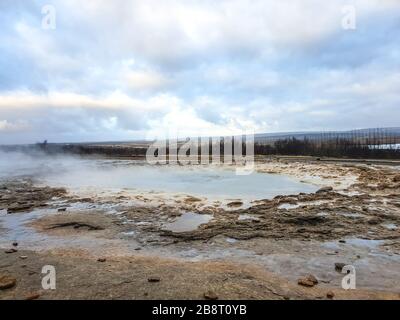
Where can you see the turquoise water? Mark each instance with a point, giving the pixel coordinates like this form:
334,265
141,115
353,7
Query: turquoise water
208,181
198,181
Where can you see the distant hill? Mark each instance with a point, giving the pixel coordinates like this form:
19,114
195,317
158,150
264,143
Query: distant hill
369,133
321,135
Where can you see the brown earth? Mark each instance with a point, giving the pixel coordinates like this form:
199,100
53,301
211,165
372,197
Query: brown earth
22,195
79,276
360,202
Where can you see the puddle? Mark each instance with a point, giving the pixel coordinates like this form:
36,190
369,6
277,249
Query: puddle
230,240
366,243
322,214
143,223
390,226
350,193
16,229
248,217
188,221
352,215
357,242
288,206
128,233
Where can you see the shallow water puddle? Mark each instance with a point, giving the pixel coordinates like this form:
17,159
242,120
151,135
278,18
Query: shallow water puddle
390,226
366,243
128,233
247,217
188,221
352,215
369,244
16,229
288,206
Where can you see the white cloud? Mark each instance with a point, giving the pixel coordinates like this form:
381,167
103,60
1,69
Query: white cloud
146,80
169,30
129,69
6,126
58,99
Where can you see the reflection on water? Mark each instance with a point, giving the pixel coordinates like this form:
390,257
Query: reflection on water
188,221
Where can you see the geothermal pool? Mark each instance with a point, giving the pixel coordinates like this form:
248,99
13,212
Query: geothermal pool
213,182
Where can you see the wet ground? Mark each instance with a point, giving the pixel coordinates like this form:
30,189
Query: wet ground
353,219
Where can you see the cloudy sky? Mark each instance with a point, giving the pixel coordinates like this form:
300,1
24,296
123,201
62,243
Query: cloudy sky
123,70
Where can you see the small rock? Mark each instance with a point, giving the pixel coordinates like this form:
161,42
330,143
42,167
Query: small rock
374,221
325,189
339,266
11,250
101,259
234,204
342,241
138,248
396,178
85,200
191,199
331,253
210,295
19,207
312,278
382,186
15,244
330,294
308,281
33,296
62,209
7,282
23,257
154,279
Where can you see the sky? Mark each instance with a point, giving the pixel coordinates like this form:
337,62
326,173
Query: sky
101,70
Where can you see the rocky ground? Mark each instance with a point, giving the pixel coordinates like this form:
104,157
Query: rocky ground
290,247
138,277
21,195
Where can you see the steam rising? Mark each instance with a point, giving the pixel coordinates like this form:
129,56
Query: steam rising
101,175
